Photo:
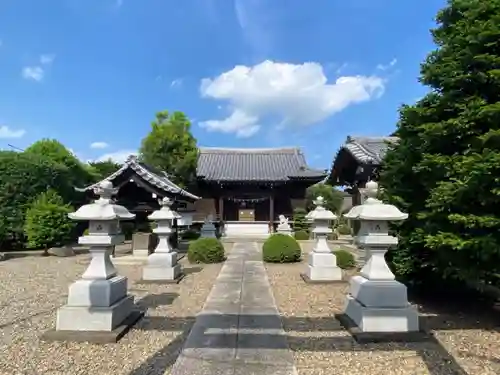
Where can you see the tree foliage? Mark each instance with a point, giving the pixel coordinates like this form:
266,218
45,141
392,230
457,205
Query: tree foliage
102,169
23,177
445,170
171,147
47,222
333,197
56,152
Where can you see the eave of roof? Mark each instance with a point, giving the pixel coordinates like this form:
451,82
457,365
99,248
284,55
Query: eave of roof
161,182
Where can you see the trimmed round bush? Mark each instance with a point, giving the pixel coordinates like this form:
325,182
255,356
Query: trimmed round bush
301,235
206,250
190,235
345,259
281,248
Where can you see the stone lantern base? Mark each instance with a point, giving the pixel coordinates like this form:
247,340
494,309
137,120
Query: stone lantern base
162,268
322,268
98,311
380,310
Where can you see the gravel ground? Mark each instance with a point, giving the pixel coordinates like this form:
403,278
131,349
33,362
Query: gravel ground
465,343
33,287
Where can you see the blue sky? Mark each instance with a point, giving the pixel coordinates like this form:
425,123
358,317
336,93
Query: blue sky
248,73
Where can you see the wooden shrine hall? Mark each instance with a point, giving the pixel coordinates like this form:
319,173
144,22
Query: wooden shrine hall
245,190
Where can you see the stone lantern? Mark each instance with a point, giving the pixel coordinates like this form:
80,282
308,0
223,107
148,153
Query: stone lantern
162,263
98,308
376,302
322,262
208,229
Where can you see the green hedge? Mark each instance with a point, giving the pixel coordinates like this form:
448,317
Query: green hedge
301,235
47,223
345,259
22,178
281,248
206,250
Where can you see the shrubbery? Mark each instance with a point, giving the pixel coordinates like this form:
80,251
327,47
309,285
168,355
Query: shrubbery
344,229
281,248
299,220
301,235
190,235
345,259
22,178
206,250
47,223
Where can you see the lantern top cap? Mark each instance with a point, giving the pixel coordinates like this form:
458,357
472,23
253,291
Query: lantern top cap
320,212
104,208
374,209
165,212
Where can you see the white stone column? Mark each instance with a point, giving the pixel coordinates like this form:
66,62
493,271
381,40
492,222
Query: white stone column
322,262
162,265
376,302
98,302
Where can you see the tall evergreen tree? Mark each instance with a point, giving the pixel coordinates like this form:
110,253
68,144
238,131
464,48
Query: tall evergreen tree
445,171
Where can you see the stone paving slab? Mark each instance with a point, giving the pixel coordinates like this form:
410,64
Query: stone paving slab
239,331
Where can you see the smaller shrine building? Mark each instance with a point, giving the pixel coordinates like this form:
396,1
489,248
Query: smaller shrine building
357,162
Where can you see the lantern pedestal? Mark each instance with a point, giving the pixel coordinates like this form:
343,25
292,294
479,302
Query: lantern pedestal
162,266
322,268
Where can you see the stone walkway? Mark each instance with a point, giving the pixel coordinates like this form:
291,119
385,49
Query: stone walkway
239,331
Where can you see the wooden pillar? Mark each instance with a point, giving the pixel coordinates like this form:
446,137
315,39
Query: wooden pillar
271,208
221,209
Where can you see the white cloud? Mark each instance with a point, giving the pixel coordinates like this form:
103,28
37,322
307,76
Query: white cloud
239,122
297,94
118,156
176,83
98,145
6,132
37,72
47,59
34,73
387,66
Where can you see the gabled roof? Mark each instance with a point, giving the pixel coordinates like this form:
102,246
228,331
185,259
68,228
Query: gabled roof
254,164
358,157
157,178
368,149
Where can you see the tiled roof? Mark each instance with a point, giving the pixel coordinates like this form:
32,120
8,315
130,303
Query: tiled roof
156,178
252,164
368,149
